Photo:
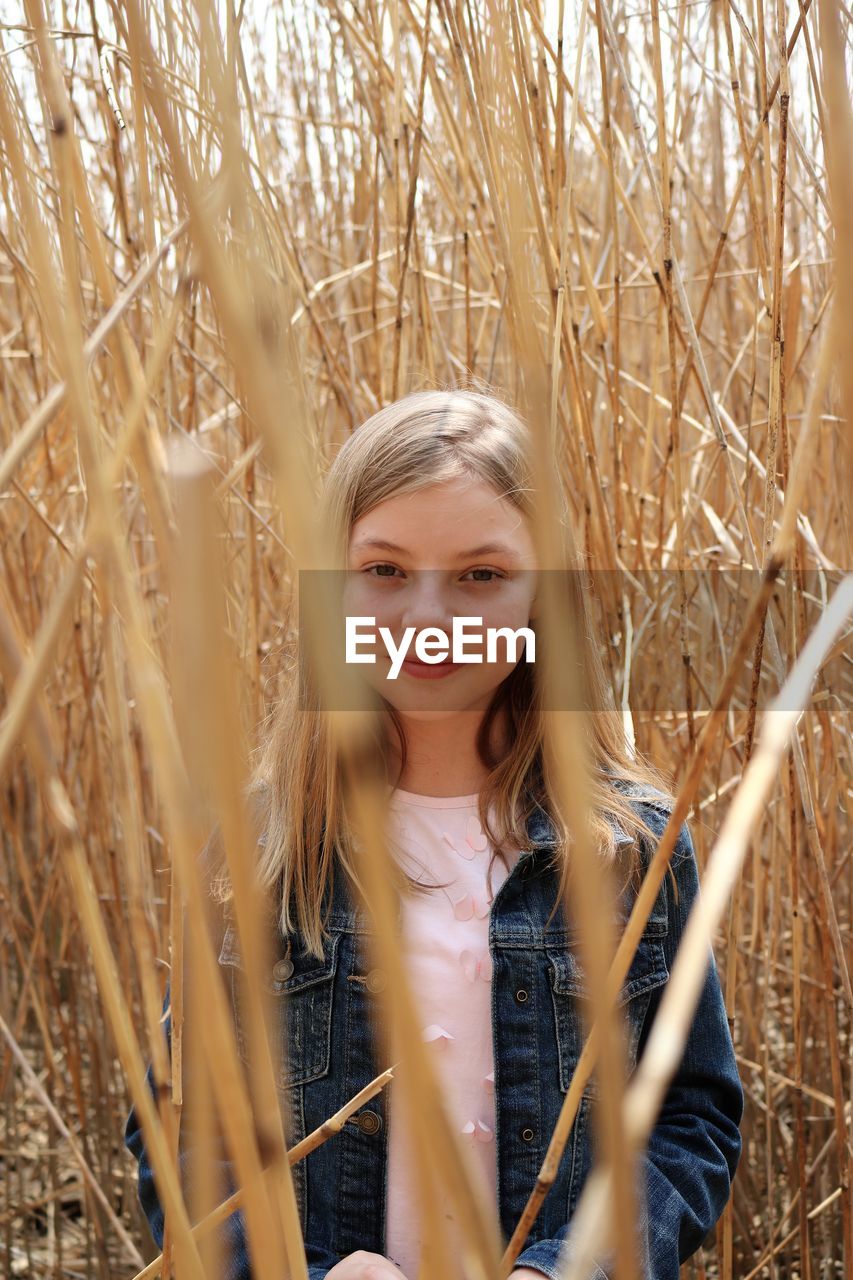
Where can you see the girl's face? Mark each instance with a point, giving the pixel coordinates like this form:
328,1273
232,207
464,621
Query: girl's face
450,550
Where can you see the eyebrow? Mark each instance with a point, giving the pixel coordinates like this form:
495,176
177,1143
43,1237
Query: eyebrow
487,548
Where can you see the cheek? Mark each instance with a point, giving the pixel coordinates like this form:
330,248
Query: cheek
363,594
515,598
366,599
512,612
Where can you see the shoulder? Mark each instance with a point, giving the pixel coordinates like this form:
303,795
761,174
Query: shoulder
642,796
213,869
642,792
211,858
654,806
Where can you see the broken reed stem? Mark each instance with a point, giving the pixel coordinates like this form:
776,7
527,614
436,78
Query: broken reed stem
297,1152
211,738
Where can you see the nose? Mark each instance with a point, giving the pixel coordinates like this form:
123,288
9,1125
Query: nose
428,602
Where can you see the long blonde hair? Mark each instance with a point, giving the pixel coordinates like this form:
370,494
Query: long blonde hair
422,439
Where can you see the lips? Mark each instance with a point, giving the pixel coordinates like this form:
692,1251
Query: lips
429,670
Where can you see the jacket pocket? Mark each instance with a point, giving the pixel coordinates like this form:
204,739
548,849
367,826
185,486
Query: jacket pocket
300,990
572,1010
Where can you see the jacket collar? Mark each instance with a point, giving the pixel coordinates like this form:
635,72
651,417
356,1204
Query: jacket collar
346,914
542,833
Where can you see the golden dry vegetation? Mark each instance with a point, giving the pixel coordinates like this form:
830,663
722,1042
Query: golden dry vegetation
227,235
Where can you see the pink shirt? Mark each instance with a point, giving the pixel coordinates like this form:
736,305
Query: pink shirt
445,937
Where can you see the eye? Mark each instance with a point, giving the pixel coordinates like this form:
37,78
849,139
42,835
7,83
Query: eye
370,568
496,575
377,571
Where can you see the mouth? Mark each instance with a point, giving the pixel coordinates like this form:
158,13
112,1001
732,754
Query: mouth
429,670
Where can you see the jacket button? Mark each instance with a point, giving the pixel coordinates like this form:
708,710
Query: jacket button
282,969
521,995
376,980
527,1135
368,1121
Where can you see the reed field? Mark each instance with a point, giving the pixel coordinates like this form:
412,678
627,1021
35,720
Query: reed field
229,234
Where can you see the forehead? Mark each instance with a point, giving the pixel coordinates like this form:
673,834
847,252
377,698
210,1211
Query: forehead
448,514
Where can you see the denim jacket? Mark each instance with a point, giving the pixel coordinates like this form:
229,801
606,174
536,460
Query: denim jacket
685,1173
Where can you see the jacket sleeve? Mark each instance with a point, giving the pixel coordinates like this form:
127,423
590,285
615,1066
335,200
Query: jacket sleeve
233,1247
685,1173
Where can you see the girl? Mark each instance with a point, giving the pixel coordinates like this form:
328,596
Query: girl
430,501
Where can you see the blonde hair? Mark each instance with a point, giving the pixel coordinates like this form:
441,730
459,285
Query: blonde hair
422,439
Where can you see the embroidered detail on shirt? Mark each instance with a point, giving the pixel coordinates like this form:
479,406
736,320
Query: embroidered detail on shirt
465,852
475,836
475,967
463,908
479,1132
434,1034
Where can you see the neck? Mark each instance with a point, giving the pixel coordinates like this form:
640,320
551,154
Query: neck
441,754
